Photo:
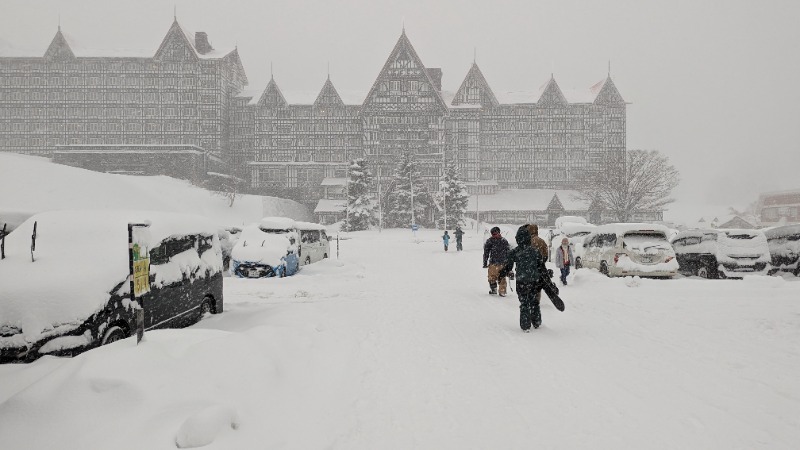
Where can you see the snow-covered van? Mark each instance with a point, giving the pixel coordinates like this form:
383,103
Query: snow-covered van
314,245
576,233
68,290
625,249
263,251
721,253
784,248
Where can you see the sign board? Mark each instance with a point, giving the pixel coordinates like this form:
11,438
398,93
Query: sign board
414,227
140,255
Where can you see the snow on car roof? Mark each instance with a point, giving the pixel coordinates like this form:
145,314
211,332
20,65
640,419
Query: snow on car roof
309,226
572,227
79,257
622,228
256,246
785,230
278,223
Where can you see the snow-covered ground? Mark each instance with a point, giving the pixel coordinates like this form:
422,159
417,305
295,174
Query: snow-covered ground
396,344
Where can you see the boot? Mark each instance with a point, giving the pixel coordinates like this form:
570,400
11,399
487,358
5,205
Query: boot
536,316
524,317
493,288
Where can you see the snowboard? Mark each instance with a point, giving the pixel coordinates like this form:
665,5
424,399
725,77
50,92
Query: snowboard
551,290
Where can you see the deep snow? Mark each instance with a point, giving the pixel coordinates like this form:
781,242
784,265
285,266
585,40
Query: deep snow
398,345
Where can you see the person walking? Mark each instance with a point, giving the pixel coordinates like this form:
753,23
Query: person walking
540,245
564,259
459,235
446,240
495,252
530,271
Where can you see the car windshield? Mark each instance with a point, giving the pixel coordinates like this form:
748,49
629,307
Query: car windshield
739,235
578,234
647,242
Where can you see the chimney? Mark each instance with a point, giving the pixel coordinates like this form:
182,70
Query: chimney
436,77
201,43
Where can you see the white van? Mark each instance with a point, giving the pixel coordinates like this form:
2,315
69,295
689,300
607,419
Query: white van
722,253
314,245
625,249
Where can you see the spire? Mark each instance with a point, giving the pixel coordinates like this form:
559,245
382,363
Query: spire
474,55
329,71
609,68
271,74
175,12
59,22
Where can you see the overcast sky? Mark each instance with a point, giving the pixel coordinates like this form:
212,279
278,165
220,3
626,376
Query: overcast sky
714,85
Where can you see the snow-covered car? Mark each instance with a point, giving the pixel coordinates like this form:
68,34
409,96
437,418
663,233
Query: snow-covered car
575,232
720,253
69,290
314,244
784,248
262,254
627,249
227,239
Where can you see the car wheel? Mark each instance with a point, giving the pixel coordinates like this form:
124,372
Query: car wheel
604,268
113,334
702,272
207,307
308,260
721,275
578,263
797,271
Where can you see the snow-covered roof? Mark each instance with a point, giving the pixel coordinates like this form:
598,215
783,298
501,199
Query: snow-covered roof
309,226
306,96
524,200
82,255
277,223
334,182
330,206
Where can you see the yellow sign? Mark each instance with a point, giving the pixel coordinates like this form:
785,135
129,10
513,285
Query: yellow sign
141,277
141,271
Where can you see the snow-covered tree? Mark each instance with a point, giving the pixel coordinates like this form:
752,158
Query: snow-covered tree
360,208
397,213
630,182
452,197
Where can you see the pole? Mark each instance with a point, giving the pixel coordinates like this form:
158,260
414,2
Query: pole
380,203
411,182
477,207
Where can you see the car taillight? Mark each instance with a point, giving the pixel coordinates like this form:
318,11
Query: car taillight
669,258
616,257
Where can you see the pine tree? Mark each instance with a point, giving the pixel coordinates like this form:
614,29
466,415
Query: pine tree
398,203
360,209
452,197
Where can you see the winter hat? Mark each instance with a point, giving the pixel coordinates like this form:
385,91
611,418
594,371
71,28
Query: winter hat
495,229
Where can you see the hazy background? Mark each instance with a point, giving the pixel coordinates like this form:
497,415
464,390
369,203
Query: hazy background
714,85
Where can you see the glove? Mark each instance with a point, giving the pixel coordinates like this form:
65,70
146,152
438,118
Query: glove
511,276
550,273
485,266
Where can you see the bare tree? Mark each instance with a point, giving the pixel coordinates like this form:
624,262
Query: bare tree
630,182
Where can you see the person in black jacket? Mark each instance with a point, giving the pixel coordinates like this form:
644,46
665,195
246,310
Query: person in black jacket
530,270
459,235
495,251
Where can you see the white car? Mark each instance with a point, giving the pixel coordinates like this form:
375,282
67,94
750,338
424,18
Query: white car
575,232
627,249
722,253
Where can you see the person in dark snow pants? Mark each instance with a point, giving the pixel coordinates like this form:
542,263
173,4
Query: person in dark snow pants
495,252
445,240
459,235
529,271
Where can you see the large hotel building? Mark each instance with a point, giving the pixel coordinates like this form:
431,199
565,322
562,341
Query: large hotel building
185,109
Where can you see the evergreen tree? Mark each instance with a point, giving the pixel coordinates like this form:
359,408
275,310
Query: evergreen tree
360,209
452,197
398,202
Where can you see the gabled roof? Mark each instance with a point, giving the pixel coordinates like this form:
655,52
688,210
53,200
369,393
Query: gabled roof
404,52
551,94
328,96
59,48
475,80
526,200
176,45
607,93
272,95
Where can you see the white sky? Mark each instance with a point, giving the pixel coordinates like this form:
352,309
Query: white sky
710,82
